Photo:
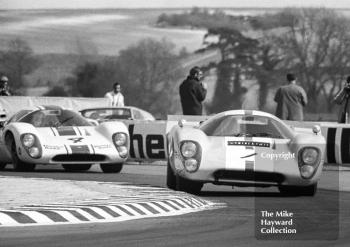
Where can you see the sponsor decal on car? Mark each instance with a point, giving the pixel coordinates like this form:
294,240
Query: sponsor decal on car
105,146
53,147
248,143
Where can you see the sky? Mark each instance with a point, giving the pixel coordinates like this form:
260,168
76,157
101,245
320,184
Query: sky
47,4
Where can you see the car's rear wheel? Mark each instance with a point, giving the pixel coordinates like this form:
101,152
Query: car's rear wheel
18,164
111,168
170,177
188,186
76,167
2,166
298,190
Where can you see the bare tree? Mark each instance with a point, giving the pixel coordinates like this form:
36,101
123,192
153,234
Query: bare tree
18,60
316,45
148,72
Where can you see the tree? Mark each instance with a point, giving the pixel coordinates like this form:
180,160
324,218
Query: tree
85,83
267,67
316,46
147,71
56,91
18,60
238,54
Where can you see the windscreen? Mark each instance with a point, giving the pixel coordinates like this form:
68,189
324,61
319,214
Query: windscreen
247,126
105,114
55,118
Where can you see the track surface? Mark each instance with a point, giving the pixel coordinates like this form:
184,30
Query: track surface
320,221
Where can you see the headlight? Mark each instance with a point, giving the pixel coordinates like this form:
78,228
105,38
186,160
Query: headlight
309,159
307,171
123,151
28,140
34,152
309,156
120,139
188,149
191,165
32,145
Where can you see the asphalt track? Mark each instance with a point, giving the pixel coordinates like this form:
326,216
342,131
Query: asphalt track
320,221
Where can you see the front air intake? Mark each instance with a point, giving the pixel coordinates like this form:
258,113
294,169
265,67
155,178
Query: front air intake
79,158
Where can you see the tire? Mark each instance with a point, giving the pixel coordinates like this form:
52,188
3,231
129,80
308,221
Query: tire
2,166
188,186
310,190
111,168
19,165
170,177
298,191
76,167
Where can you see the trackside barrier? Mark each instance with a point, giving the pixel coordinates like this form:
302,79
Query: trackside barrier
148,138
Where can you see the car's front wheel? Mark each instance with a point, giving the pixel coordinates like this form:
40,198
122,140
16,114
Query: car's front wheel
76,167
18,164
111,168
170,177
309,190
188,186
298,190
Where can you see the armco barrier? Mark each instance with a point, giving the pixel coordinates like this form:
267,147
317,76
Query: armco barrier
148,138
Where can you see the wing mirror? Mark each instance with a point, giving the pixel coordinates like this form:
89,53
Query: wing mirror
181,123
316,129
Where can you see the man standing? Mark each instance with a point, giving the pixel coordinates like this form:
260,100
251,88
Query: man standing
4,86
193,92
290,100
342,98
116,98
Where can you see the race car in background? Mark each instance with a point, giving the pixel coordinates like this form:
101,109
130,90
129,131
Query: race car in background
54,135
103,114
245,148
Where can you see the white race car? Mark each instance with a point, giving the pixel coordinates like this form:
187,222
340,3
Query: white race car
102,114
54,135
245,148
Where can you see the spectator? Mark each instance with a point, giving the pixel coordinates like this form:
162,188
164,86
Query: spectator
4,91
193,92
290,100
342,98
116,97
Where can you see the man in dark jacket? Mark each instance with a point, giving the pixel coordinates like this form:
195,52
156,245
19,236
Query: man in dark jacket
290,100
4,86
193,92
342,98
